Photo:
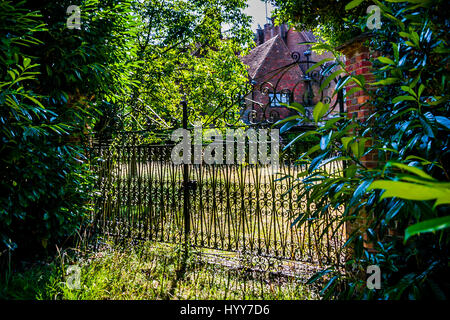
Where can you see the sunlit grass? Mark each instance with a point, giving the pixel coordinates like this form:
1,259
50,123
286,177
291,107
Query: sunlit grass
150,271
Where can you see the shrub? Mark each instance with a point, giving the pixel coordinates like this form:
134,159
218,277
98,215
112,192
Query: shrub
409,190
52,80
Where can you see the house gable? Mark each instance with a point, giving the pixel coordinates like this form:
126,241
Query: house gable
277,77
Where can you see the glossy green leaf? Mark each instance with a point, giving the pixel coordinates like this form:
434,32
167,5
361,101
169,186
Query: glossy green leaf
444,121
412,191
297,107
411,169
386,60
352,91
431,225
346,141
320,110
330,78
325,140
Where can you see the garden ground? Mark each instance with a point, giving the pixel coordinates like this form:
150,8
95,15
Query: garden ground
154,271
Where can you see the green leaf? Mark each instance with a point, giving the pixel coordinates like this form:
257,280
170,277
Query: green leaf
304,134
392,212
412,191
391,17
403,98
396,49
332,280
341,83
352,91
345,142
409,90
411,169
12,74
287,126
319,110
443,121
35,101
288,119
430,225
353,4
422,160
310,151
386,60
421,88
359,80
316,161
426,126
359,191
415,38
319,46
330,123
318,64
325,140
386,81
439,101
358,147
49,70
26,62
330,78
297,107
350,171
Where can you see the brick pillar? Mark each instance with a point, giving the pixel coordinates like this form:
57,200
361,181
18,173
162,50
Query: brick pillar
357,62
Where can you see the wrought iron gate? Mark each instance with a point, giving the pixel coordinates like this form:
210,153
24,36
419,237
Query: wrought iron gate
142,194
240,207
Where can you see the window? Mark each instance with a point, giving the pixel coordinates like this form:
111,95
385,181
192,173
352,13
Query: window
278,98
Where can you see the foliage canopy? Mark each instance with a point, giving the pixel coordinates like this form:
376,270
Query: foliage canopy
127,67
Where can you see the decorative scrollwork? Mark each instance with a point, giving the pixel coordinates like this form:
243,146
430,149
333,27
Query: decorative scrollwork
274,116
296,56
287,85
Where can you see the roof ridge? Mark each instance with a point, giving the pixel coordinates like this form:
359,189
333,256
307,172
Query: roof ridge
254,58
266,53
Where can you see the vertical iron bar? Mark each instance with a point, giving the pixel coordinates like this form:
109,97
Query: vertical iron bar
186,214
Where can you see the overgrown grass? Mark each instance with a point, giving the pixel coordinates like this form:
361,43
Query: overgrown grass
149,271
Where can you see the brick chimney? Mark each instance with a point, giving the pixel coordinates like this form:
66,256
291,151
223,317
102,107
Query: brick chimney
270,31
267,32
259,36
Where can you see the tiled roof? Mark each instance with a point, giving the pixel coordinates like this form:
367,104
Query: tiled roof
257,56
306,36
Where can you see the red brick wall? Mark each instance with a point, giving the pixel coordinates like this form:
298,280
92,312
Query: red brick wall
357,62
293,39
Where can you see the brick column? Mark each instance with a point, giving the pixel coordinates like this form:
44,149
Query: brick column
357,62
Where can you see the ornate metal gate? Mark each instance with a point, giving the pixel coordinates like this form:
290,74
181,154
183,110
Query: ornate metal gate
142,194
